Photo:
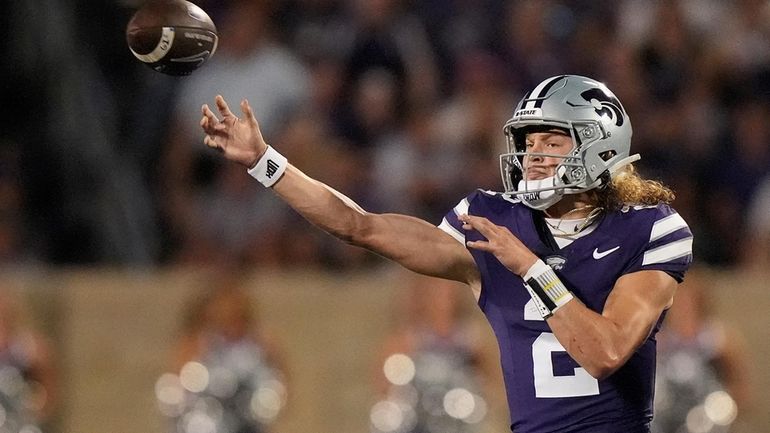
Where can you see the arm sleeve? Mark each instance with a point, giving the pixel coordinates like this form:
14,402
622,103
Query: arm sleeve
451,224
668,246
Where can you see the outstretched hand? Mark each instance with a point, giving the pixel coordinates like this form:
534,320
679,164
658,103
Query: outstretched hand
240,140
506,247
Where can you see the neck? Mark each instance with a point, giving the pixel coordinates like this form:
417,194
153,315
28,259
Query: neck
572,206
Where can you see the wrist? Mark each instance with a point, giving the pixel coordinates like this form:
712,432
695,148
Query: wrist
258,156
269,167
546,289
527,269
537,268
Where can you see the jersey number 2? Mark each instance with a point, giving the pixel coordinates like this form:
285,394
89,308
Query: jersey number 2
548,385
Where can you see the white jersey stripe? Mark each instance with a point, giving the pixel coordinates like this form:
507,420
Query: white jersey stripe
462,207
668,252
667,225
451,231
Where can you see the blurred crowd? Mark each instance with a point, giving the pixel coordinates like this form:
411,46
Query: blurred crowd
397,103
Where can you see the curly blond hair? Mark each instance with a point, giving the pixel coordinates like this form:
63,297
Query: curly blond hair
628,188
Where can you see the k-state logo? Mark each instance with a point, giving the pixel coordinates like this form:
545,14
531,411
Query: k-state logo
605,104
528,112
555,262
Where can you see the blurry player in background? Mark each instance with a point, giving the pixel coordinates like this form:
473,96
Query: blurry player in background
703,382
433,369
223,341
573,264
28,385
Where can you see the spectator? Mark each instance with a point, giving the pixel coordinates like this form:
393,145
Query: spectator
703,376
229,374
433,370
28,383
196,189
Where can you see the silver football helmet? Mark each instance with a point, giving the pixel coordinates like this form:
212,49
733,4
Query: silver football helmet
601,135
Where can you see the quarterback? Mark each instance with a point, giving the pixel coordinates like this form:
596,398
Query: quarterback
574,264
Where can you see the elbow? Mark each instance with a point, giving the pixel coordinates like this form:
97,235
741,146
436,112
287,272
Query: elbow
603,366
600,372
357,230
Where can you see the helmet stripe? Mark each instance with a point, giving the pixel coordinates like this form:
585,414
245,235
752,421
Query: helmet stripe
544,91
539,92
525,99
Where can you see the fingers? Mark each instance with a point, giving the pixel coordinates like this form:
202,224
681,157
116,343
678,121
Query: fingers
209,122
222,106
208,113
246,108
479,245
493,243
209,119
471,222
210,142
481,224
491,231
248,113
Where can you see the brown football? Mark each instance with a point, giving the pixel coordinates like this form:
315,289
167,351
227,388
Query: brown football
174,37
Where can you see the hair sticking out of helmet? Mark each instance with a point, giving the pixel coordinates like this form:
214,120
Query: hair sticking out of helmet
591,115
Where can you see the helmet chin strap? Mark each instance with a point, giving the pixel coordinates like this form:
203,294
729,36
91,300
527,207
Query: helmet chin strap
528,192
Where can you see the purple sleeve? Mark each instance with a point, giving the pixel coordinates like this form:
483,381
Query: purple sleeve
668,242
451,224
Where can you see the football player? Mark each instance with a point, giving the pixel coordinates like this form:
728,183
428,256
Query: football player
574,264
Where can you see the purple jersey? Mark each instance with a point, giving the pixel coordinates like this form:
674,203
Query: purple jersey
547,390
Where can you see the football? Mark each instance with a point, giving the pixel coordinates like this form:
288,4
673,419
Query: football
174,37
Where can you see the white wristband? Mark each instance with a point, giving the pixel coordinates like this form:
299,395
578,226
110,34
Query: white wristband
544,311
546,289
269,168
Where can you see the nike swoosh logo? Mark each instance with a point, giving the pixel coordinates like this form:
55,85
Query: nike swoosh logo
599,255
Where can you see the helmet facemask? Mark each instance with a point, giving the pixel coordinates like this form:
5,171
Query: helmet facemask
570,177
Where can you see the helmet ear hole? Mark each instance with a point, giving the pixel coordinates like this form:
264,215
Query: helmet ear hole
607,155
